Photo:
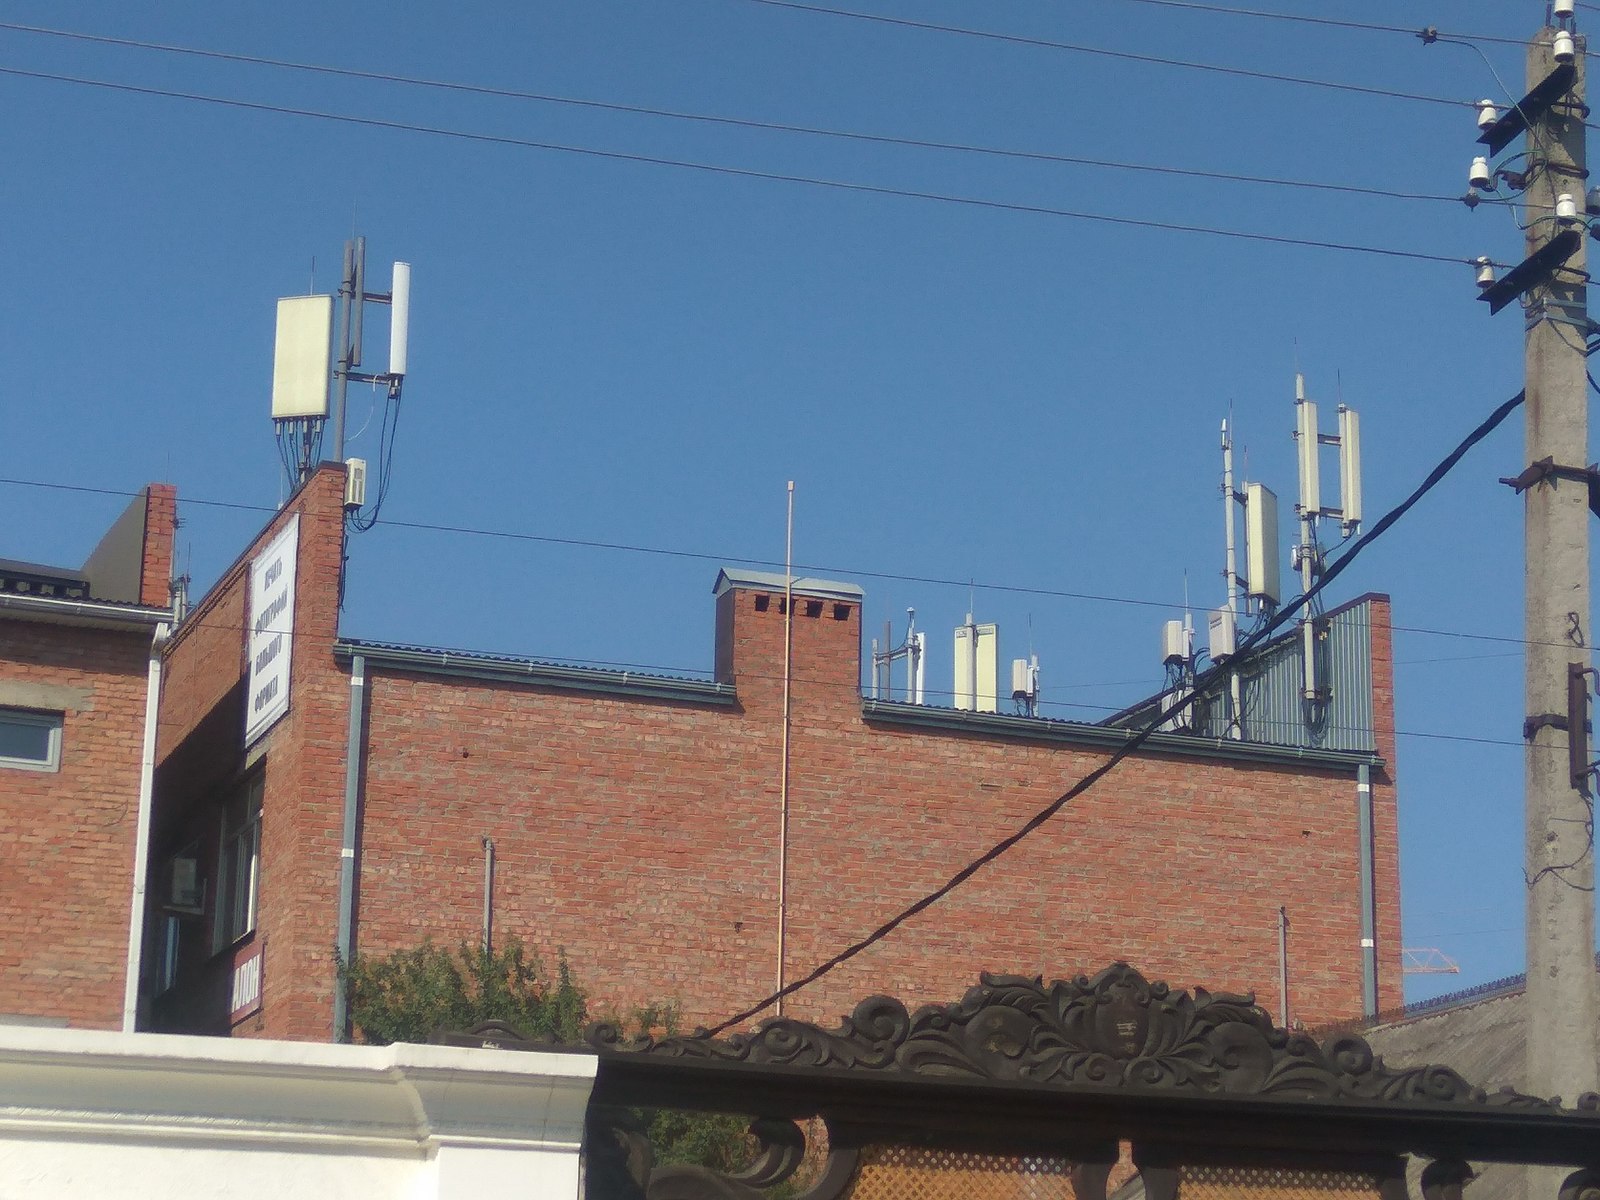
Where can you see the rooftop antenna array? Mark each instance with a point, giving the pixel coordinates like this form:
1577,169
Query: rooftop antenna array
1178,657
1025,680
913,650
1257,591
301,393
1307,555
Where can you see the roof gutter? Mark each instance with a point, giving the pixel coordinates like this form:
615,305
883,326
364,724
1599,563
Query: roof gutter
949,720
576,679
82,612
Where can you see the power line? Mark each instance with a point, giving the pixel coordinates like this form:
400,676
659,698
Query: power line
1247,649
740,172
723,558
1123,55
1329,21
734,122
696,674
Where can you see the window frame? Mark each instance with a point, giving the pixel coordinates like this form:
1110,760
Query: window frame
238,856
54,722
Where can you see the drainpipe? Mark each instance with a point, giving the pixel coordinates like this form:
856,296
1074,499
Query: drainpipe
1283,967
1369,903
488,894
347,847
141,841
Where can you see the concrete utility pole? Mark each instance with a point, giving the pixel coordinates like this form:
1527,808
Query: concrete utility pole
1563,1005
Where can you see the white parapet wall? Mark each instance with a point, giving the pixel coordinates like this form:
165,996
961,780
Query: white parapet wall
138,1116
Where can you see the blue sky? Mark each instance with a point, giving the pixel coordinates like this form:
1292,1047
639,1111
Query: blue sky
640,354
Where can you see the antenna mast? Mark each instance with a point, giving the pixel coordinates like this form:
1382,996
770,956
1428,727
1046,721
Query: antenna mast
912,650
1307,554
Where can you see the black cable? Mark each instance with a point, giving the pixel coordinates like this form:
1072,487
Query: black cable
735,122
800,568
1124,55
1202,681
741,172
1301,18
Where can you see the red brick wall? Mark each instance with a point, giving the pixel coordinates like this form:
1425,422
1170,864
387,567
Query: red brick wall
160,524
642,837
66,837
202,760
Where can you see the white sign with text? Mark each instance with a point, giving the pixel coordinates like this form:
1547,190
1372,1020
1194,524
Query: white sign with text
271,632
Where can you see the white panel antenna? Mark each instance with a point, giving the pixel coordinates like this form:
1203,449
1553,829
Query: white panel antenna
1305,412
1261,544
1223,628
976,667
399,318
1349,470
1174,643
300,358
1025,685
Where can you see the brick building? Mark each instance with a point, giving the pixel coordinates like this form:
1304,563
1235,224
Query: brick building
78,666
386,794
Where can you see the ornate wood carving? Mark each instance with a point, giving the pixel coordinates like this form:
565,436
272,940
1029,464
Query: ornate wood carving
1115,1030
1582,1185
622,1164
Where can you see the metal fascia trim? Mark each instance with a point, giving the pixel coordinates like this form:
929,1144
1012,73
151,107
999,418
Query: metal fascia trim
577,679
1109,737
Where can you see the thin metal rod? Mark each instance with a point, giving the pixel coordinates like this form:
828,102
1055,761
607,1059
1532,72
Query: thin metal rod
1369,944
345,936
342,363
783,778
488,895
1231,570
1283,966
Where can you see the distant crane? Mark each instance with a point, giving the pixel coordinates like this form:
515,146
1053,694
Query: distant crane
1428,961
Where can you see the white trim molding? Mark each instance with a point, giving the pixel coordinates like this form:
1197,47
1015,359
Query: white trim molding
142,1116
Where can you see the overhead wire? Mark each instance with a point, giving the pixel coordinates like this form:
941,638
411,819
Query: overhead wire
659,671
742,172
733,122
1164,714
746,560
1305,19
1122,55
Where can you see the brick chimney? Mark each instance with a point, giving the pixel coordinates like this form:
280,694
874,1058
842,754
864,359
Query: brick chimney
750,635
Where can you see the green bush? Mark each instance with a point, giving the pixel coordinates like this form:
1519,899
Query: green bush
409,995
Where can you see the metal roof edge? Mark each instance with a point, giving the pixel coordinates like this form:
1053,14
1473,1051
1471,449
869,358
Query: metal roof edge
1109,737
804,585
599,680
92,613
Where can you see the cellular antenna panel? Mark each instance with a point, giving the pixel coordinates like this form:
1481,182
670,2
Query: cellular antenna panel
300,357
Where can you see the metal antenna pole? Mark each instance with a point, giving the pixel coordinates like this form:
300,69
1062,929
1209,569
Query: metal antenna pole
1563,1011
1230,499
351,287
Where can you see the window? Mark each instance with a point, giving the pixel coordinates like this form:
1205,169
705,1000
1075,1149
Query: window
30,740
238,865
